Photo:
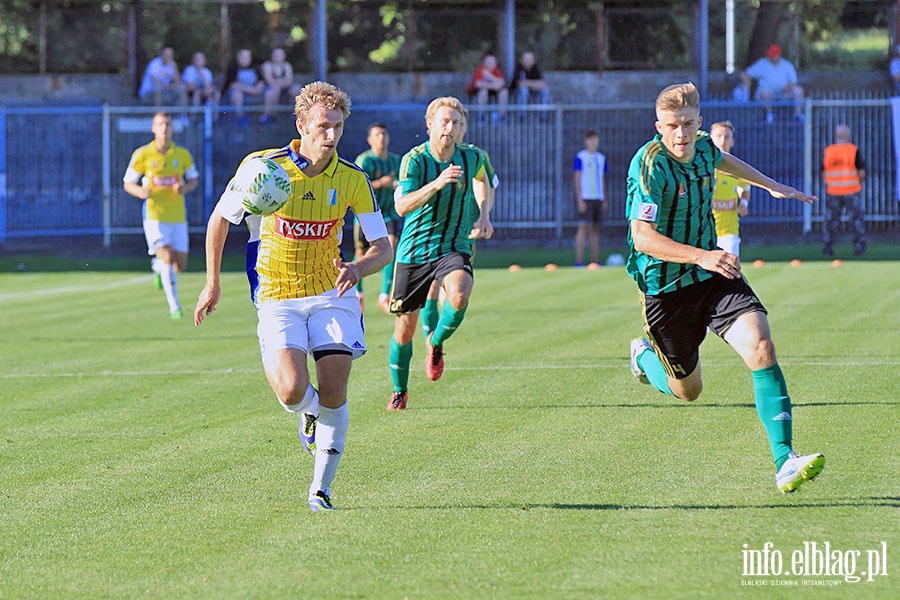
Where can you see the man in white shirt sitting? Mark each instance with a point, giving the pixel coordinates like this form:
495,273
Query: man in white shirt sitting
776,80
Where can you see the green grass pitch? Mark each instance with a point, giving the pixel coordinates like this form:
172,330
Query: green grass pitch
145,458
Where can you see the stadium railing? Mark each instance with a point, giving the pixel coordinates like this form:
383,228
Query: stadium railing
61,168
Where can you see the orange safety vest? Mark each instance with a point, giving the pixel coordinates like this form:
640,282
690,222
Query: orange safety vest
841,174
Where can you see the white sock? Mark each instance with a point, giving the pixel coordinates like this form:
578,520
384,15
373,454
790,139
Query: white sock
167,274
156,265
309,404
330,433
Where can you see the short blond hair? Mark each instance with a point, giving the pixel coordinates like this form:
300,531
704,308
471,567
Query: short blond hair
678,96
724,125
443,101
321,92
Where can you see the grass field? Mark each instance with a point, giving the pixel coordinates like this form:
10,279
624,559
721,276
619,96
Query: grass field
144,457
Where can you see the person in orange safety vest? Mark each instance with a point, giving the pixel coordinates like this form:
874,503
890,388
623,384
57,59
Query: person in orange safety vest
844,172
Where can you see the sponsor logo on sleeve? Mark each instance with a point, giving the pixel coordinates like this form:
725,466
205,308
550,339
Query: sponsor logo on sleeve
647,212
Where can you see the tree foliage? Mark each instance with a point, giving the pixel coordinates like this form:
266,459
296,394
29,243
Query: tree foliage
399,35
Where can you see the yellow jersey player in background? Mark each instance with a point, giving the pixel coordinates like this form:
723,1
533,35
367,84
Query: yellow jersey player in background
730,196
302,280
161,173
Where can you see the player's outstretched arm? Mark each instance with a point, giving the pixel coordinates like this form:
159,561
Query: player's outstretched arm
746,172
378,255
649,241
216,234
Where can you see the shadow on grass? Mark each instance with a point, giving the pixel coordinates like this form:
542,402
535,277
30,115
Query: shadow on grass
873,502
675,404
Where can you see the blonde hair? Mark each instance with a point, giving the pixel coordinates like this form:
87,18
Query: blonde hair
724,124
678,96
320,92
439,103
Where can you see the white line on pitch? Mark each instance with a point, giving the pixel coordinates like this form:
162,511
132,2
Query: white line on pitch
70,289
618,365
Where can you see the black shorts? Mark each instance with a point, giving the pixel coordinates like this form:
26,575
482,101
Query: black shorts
359,238
412,282
676,323
593,213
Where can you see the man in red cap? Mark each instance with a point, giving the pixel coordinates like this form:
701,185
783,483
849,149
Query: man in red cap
776,80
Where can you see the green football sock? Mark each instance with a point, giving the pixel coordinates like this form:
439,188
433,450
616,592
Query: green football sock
652,367
400,358
773,405
430,315
447,324
387,278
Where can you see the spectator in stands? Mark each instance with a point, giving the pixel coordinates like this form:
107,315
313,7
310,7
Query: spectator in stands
843,171
487,83
243,84
528,82
162,81
199,83
278,76
776,80
590,196
895,70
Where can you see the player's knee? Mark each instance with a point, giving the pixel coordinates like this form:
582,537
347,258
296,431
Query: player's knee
290,388
765,351
332,398
689,393
458,299
404,331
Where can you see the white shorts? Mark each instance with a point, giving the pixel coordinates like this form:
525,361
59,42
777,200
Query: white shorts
730,243
165,234
323,322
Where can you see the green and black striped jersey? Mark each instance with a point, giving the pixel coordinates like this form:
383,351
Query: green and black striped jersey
376,168
442,225
678,198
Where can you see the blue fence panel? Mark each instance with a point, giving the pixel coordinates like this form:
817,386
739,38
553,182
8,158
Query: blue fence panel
53,171
52,158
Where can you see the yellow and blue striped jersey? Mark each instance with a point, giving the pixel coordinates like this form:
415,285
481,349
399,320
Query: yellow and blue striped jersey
298,243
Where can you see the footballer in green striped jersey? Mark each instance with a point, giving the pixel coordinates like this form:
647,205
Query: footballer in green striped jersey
382,168
688,285
443,224
436,194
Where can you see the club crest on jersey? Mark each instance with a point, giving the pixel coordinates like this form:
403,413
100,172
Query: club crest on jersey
647,212
332,197
293,229
681,190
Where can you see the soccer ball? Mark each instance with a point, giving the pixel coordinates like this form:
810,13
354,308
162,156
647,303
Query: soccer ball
263,184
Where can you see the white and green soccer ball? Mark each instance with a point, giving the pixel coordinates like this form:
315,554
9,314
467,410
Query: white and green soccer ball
263,184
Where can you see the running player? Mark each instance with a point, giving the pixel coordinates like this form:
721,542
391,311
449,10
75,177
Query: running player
382,167
687,284
436,243
430,312
302,280
730,196
161,173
